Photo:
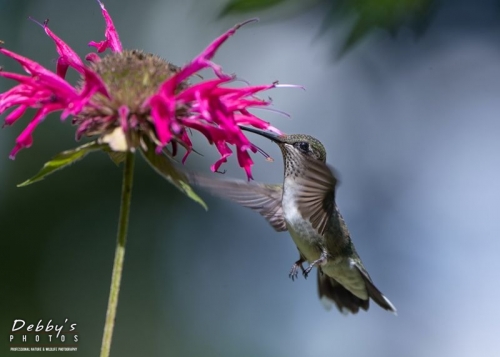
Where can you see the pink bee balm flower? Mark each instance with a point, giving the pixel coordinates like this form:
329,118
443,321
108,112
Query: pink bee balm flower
129,98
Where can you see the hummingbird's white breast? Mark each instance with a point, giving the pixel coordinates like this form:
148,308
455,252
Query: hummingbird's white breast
303,234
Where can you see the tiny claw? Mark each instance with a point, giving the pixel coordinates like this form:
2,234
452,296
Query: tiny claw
306,272
294,272
318,262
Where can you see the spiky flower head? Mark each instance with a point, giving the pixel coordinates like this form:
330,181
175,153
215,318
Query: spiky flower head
129,99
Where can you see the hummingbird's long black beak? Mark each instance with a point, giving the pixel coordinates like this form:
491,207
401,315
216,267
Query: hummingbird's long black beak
267,134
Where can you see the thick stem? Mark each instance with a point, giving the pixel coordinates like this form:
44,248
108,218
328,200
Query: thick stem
114,291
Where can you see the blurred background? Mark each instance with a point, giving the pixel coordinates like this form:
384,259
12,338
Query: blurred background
407,106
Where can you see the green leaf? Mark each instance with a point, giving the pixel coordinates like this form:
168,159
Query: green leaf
363,16
117,156
165,167
62,160
389,15
241,6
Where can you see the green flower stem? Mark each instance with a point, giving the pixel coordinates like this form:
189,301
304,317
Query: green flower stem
114,291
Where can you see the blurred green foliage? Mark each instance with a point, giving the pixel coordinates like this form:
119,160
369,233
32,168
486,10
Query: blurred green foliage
366,15
238,6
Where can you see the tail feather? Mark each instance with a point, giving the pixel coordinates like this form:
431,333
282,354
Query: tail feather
330,290
375,294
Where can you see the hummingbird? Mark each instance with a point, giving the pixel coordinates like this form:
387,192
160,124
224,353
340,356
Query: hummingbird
304,205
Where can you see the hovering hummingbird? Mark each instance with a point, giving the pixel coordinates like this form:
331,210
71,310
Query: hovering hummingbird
304,205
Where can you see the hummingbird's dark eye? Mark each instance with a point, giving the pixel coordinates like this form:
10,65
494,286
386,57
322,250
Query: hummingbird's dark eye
304,147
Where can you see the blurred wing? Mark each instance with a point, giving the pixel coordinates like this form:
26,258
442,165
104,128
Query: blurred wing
316,196
264,199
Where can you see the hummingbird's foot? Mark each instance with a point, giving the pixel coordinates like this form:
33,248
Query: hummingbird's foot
318,261
306,272
294,272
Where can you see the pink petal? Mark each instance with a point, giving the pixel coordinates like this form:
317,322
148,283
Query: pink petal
187,142
209,52
93,85
123,112
162,114
203,59
196,90
92,57
101,46
45,76
25,139
15,114
67,57
246,162
242,92
210,132
62,67
225,152
112,40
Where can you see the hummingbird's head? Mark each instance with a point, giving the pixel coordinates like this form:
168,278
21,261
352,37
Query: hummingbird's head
296,148
301,145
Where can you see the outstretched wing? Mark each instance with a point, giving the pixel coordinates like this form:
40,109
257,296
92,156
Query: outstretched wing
316,196
264,199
